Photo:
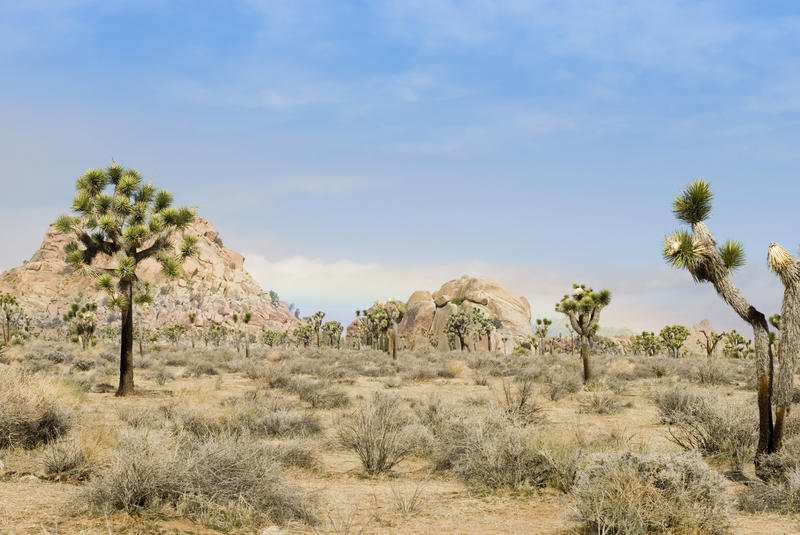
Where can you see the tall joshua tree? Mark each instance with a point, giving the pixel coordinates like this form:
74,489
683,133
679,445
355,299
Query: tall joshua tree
192,319
788,270
697,252
316,323
542,326
119,217
711,341
674,337
583,309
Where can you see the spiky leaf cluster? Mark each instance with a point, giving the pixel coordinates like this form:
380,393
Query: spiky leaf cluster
583,308
694,204
647,344
333,332
674,336
116,214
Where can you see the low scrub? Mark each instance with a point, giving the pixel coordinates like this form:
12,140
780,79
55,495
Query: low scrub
625,493
379,432
30,412
698,421
227,481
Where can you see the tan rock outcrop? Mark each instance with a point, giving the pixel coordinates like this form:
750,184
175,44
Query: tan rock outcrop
214,284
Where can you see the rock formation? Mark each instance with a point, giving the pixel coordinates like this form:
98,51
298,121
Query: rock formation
426,311
214,284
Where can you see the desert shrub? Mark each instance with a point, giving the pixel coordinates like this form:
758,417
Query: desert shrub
419,373
378,432
301,455
601,403
519,403
30,413
230,481
320,394
197,369
65,458
83,364
713,373
626,493
560,385
161,376
495,458
698,421
139,417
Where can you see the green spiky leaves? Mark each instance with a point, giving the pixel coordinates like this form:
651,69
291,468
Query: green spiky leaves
680,250
170,267
189,246
126,268
694,204
64,224
74,256
583,307
105,282
732,253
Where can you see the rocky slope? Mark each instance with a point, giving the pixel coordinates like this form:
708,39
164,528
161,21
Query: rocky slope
214,284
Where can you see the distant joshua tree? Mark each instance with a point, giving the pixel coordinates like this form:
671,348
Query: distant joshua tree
647,344
710,341
83,323
333,330
542,327
458,326
583,309
270,338
316,323
697,252
673,337
192,319
248,316
119,216
304,334
13,321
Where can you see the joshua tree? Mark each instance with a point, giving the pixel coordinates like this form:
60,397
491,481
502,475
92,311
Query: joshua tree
247,317
216,333
273,297
316,323
333,330
542,326
13,320
674,337
304,334
119,217
174,333
737,346
380,322
192,318
698,253
711,341
458,326
142,299
235,318
583,309
270,338
433,338
788,270
82,320
647,343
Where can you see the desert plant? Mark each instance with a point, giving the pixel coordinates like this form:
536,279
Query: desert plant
710,341
583,308
698,253
519,404
458,325
65,458
132,223
673,337
82,322
316,323
378,432
248,316
333,331
601,403
736,346
14,323
270,338
542,327
646,344
303,334
625,493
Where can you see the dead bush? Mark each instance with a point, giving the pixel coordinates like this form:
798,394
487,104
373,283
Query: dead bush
519,403
626,493
378,432
228,481
601,403
30,413
65,458
697,421
320,394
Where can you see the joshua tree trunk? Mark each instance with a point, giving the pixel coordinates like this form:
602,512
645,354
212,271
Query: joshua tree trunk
126,348
246,342
587,364
191,334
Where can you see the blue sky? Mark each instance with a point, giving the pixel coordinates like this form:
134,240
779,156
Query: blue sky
361,150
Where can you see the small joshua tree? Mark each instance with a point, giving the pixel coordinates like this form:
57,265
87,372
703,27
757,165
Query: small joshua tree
542,327
82,320
192,319
737,346
483,326
14,323
433,338
674,337
316,323
303,334
174,333
216,333
270,338
248,316
333,331
583,308
458,326
121,218
710,341
380,322
235,318
698,253
647,344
